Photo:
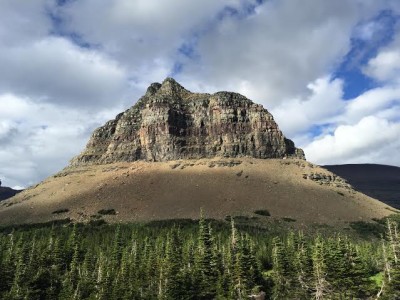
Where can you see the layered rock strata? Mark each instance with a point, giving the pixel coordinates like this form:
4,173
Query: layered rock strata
170,123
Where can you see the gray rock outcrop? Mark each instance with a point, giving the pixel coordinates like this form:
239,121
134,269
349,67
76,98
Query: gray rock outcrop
169,123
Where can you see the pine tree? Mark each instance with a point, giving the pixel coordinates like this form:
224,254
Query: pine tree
206,273
172,266
117,247
303,264
87,275
337,264
280,272
392,263
320,284
17,289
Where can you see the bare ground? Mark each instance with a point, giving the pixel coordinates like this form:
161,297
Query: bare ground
143,191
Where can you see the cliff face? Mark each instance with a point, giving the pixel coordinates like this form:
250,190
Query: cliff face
170,123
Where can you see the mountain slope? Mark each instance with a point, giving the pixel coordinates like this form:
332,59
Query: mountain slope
377,181
142,191
174,152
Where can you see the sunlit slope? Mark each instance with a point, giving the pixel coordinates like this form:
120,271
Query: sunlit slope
142,191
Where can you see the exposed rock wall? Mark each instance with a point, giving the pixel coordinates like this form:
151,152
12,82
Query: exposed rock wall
170,123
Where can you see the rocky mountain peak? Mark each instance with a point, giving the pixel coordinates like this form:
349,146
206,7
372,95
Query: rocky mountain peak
170,122
169,87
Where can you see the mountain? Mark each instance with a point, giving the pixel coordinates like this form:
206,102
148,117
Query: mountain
6,192
175,151
170,123
377,181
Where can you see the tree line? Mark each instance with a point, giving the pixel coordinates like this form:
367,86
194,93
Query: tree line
202,261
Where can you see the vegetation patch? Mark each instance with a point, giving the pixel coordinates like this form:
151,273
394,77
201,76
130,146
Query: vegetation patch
177,257
174,166
262,212
228,218
110,211
366,229
286,219
377,278
22,227
60,211
95,223
241,218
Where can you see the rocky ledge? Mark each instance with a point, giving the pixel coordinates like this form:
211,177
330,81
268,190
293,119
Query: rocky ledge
170,122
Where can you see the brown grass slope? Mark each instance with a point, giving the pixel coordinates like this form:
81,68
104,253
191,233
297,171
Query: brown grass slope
143,191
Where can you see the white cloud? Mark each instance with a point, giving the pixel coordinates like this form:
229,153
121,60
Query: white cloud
324,103
367,129
143,35
44,137
385,66
360,130
55,70
23,21
272,55
371,102
371,139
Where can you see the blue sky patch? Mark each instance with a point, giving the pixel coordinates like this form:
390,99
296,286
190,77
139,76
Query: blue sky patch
319,129
366,41
59,30
176,69
188,50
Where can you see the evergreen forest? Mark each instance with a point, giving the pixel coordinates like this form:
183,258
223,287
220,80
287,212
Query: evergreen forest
204,259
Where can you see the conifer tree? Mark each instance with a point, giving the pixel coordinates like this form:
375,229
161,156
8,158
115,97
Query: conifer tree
280,270
205,269
392,262
172,266
303,266
117,247
320,284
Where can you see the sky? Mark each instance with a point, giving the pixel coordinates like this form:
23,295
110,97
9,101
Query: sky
328,71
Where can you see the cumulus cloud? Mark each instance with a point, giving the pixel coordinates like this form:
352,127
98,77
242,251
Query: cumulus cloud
322,105
385,66
372,102
143,35
359,130
39,139
23,21
371,139
368,130
55,70
273,54
53,92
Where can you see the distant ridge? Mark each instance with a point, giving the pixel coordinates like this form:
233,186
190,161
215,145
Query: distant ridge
6,192
381,182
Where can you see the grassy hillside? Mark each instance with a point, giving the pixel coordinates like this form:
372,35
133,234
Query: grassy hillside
289,190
